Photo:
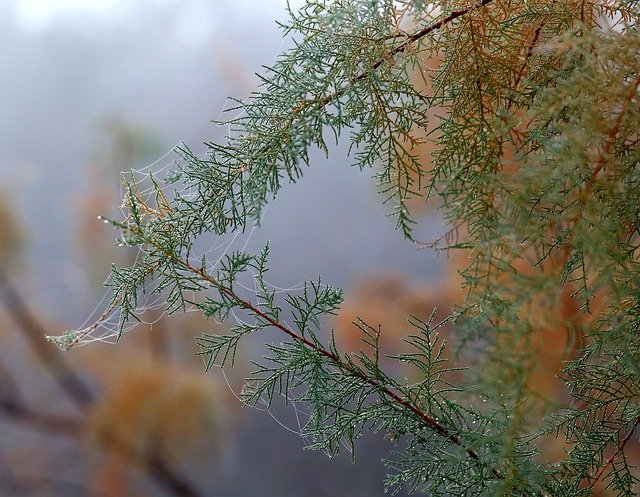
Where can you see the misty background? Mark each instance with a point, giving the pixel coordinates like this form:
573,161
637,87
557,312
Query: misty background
89,89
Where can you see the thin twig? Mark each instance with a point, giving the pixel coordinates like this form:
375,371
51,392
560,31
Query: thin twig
14,406
49,355
402,47
51,423
73,386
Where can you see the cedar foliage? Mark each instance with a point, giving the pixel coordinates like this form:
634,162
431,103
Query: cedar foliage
533,119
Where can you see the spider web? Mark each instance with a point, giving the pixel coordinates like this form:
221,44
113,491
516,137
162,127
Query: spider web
104,323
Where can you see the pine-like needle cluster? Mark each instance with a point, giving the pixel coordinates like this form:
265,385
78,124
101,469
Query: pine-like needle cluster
532,113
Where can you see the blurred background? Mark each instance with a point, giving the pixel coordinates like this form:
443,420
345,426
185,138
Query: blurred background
89,89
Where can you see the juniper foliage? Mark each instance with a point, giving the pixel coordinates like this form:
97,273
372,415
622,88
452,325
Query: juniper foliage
532,112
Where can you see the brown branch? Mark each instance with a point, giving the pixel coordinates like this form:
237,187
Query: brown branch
529,54
424,32
72,385
14,406
160,472
429,421
50,423
49,355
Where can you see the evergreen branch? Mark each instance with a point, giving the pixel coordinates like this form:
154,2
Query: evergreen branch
424,32
248,167
523,141
335,359
529,54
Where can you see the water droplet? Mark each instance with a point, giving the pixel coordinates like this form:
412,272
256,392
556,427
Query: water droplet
105,221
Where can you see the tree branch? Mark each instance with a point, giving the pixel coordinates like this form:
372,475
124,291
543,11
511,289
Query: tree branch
429,421
610,138
14,406
72,385
49,355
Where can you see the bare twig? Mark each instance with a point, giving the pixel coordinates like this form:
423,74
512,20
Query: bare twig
49,355
50,423
14,406
53,359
